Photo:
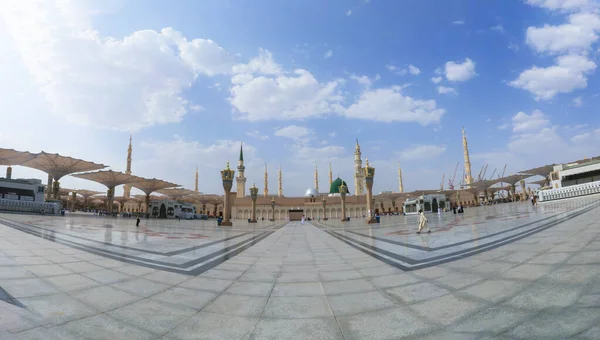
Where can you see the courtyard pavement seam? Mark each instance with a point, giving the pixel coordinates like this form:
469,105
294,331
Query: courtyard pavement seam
429,262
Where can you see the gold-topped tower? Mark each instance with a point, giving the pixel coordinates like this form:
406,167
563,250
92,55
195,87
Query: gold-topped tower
468,177
266,189
280,183
359,177
241,180
400,184
127,187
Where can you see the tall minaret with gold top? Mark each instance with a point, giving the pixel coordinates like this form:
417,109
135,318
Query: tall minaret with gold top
317,178
241,180
127,187
266,190
468,177
330,175
280,183
400,184
196,182
359,176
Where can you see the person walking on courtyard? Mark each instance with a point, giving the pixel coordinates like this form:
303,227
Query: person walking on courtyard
137,221
423,222
302,220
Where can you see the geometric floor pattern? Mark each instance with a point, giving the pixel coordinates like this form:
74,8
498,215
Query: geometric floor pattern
509,271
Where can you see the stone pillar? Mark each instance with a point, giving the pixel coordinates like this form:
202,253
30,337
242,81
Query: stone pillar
9,172
55,189
343,190
74,196
49,188
204,208
273,209
227,178
147,201
394,205
324,211
253,195
109,196
369,174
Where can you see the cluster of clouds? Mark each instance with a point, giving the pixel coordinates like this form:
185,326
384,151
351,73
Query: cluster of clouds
571,44
141,80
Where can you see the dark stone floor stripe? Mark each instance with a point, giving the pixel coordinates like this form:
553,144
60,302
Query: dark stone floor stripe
154,263
453,256
423,248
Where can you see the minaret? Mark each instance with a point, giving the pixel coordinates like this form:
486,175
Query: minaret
266,190
127,187
400,185
241,180
468,177
359,176
280,186
316,178
196,182
330,175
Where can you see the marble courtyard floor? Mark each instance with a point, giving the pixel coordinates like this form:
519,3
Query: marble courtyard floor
509,271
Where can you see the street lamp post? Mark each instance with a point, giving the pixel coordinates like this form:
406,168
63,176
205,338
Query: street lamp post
273,209
324,211
253,195
369,174
227,177
343,189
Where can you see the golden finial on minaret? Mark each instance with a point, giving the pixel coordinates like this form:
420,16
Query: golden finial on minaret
367,162
228,168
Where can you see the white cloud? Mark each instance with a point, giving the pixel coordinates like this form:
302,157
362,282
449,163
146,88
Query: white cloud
577,101
166,155
577,35
108,82
446,90
436,80
294,132
564,5
303,152
264,91
390,105
497,28
523,122
460,71
458,22
567,75
257,134
328,54
513,47
580,138
196,108
423,151
332,134
413,70
503,126
364,80
349,12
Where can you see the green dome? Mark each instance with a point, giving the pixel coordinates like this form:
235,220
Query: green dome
335,186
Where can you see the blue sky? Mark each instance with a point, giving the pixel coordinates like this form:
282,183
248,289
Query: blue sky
298,82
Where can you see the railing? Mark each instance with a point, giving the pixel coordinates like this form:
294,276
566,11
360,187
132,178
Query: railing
569,192
29,207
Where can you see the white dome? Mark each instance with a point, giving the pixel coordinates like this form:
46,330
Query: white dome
311,193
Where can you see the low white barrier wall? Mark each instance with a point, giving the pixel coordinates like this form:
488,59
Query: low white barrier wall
569,192
29,207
